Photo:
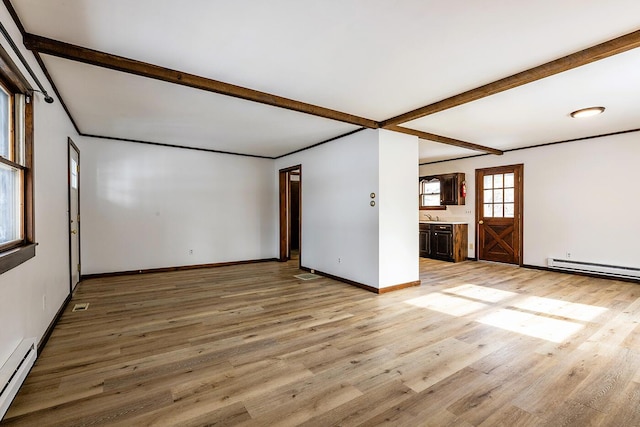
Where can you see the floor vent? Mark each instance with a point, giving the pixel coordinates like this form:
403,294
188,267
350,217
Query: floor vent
307,276
14,371
81,307
594,268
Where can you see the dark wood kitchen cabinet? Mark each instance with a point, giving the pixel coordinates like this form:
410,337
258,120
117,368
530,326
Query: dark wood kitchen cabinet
425,240
443,241
451,189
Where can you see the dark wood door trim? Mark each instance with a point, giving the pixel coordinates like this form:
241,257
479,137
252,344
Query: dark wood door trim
284,177
519,209
283,212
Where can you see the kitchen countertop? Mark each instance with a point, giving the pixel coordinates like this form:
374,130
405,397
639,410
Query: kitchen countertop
443,222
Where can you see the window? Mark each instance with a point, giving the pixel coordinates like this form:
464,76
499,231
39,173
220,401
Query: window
439,191
16,177
10,175
429,192
499,195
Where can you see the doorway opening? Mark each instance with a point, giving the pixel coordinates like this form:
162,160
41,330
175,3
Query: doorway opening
73,173
290,180
499,213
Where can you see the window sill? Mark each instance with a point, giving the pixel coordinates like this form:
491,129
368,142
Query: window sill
17,256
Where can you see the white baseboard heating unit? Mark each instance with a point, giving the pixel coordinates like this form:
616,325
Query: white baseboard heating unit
14,371
594,268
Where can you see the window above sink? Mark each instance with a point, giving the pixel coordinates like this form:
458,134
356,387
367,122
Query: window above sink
436,192
430,193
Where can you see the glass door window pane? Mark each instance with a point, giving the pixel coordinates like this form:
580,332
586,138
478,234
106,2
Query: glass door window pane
74,174
508,210
499,195
508,180
488,181
508,195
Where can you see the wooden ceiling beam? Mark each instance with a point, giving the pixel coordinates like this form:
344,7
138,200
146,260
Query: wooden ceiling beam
443,139
60,49
603,50
119,63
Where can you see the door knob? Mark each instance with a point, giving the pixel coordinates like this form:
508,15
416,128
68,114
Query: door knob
481,222
74,231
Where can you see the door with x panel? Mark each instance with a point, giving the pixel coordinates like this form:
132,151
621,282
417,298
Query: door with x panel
499,200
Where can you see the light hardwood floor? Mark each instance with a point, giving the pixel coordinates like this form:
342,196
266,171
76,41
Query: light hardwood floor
477,344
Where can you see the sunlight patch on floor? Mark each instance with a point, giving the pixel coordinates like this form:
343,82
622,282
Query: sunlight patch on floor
524,314
530,324
556,307
447,304
481,293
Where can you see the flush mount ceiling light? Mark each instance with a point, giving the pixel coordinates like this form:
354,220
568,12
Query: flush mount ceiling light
587,112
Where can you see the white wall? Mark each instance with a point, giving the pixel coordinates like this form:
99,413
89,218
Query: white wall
145,206
337,221
580,197
341,233
47,275
398,204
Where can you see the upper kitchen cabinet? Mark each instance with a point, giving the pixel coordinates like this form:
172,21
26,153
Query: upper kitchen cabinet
452,189
440,191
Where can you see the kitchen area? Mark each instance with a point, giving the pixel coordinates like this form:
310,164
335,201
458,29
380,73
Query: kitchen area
441,236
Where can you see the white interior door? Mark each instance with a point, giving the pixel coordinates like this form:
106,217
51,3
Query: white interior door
74,213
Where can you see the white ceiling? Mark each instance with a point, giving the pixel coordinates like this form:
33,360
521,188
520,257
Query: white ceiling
538,112
133,107
430,151
372,58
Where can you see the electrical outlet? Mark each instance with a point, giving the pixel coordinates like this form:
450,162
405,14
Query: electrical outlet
568,255
470,245
339,260
190,251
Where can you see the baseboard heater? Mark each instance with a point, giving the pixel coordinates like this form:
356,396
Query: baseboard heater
14,371
594,268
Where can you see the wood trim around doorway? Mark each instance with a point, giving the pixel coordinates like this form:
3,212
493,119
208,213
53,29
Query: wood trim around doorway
284,200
